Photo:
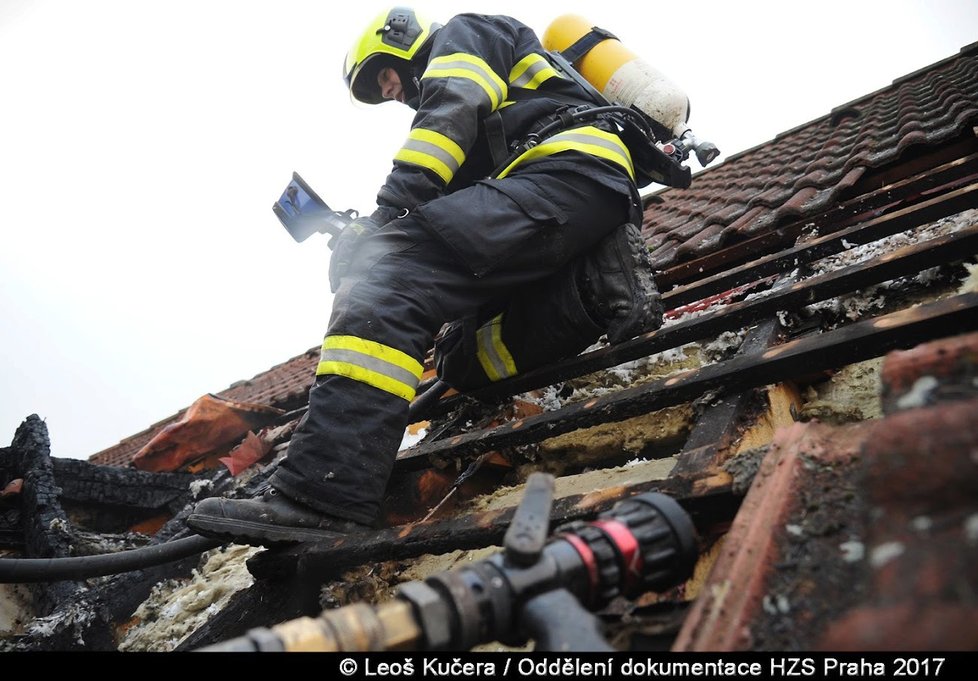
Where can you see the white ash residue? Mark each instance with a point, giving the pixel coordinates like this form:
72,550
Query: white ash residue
971,530
197,487
629,374
856,305
884,553
776,604
920,393
853,551
855,254
76,617
91,543
724,346
176,608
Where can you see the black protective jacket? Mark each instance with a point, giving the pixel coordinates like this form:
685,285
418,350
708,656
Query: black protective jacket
484,83
519,232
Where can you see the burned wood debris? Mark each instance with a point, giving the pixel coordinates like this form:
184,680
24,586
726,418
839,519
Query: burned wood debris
858,263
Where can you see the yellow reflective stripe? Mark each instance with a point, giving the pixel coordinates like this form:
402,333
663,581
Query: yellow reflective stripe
493,354
461,65
531,71
375,364
588,139
432,150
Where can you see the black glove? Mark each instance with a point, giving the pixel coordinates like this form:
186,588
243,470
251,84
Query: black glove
347,242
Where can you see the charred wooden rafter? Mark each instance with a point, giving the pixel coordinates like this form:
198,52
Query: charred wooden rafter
946,177
716,428
82,481
906,218
705,503
905,261
854,343
46,527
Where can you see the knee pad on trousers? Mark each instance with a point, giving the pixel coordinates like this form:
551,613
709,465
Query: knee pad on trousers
546,322
618,285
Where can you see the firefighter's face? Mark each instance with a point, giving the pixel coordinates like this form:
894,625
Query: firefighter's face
390,84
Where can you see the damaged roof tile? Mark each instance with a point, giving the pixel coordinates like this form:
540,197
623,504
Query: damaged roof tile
802,170
284,386
855,537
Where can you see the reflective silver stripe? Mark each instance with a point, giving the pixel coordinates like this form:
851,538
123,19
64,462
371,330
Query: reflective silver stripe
538,71
472,68
588,139
571,136
492,353
370,363
432,150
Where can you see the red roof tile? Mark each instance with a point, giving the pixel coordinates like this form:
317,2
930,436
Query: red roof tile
802,170
853,538
283,386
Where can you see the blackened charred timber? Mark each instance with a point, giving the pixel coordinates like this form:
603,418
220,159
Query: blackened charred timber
785,261
479,530
47,532
945,177
83,481
857,342
87,619
129,494
11,532
716,428
902,262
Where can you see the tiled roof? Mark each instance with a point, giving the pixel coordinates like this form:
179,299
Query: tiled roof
856,535
802,171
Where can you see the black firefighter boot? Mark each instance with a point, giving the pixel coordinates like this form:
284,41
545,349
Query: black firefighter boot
269,518
617,285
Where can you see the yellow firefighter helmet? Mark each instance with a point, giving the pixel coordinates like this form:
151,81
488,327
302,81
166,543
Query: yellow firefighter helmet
393,36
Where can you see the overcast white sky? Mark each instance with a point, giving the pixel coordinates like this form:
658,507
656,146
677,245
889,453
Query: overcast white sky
143,142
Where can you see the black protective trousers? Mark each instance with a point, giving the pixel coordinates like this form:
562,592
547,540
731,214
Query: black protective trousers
498,244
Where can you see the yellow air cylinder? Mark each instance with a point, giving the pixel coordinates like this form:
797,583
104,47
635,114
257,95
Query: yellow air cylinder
620,75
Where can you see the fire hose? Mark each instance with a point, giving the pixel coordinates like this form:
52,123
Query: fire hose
31,570
537,588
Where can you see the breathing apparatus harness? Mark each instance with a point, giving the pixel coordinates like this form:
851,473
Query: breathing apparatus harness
655,158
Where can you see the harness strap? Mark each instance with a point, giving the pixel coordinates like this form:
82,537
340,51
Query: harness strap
584,44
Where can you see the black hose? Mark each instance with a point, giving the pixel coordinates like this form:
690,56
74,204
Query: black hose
26,570
421,403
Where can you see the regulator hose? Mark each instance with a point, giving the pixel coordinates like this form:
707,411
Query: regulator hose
27,570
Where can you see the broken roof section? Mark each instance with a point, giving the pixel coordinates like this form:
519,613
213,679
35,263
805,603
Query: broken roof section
284,387
858,530
745,199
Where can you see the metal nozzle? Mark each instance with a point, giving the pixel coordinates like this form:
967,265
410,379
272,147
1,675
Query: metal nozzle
706,152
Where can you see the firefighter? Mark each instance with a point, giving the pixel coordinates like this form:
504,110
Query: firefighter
513,256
